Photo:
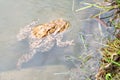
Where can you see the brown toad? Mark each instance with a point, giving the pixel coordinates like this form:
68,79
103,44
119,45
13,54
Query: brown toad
42,37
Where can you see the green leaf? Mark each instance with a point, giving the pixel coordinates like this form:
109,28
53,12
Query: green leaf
108,76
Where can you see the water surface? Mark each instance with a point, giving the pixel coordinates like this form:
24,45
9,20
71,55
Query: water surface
15,14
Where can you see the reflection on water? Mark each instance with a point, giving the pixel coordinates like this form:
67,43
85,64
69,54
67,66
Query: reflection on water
16,14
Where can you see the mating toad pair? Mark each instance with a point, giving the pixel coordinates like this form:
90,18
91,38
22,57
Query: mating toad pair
42,37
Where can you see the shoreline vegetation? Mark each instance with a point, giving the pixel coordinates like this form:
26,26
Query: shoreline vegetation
110,62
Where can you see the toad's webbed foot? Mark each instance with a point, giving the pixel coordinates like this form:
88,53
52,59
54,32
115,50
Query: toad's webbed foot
60,43
64,44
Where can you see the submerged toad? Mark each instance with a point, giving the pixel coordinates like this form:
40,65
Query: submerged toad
42,37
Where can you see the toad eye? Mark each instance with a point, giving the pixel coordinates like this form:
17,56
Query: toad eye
64,27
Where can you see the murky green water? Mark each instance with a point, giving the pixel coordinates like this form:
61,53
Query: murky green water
15,14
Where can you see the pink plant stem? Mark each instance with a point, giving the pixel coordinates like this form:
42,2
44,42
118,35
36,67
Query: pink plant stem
101,21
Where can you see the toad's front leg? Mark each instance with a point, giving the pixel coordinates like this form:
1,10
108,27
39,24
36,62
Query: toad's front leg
60,43
24,32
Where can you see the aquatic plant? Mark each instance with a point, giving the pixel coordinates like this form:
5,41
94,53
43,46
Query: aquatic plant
112,6
110,63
